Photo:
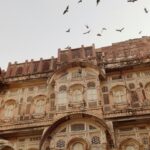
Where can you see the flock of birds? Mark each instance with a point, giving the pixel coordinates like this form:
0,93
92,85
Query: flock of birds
103,29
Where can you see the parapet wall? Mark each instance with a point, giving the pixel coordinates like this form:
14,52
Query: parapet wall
131,52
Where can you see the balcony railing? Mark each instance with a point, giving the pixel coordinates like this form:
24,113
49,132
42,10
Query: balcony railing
127,112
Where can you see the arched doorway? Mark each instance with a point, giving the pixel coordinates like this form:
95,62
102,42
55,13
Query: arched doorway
77,132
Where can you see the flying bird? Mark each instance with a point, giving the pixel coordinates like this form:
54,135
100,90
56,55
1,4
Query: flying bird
99,34
87,32
97,2
66,10
80,1
140,32
120,30
68,30
132,1
87,26
104,29
145,9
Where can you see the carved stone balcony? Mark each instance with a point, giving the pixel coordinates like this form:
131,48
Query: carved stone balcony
128,112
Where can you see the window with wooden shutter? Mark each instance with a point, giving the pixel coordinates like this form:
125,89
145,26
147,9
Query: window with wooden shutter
134,99
19,109
52,102
28,107
131,85
20,106
104,89
40,106
106,99
9,111
134,96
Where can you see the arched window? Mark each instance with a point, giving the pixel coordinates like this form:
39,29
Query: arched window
28,105
76,92
130,144
40,106
92,94
20,106
91,91
70,129
9,109
77,95
62,95
119,94
130,148
78,146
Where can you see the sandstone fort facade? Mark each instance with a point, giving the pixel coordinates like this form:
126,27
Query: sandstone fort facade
85,99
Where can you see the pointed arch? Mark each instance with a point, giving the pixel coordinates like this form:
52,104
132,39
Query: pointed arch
130,142
49,131
6,145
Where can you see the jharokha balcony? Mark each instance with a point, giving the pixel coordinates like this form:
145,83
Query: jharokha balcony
128,111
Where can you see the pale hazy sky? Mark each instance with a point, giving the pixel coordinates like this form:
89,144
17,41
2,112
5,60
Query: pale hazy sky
36,28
